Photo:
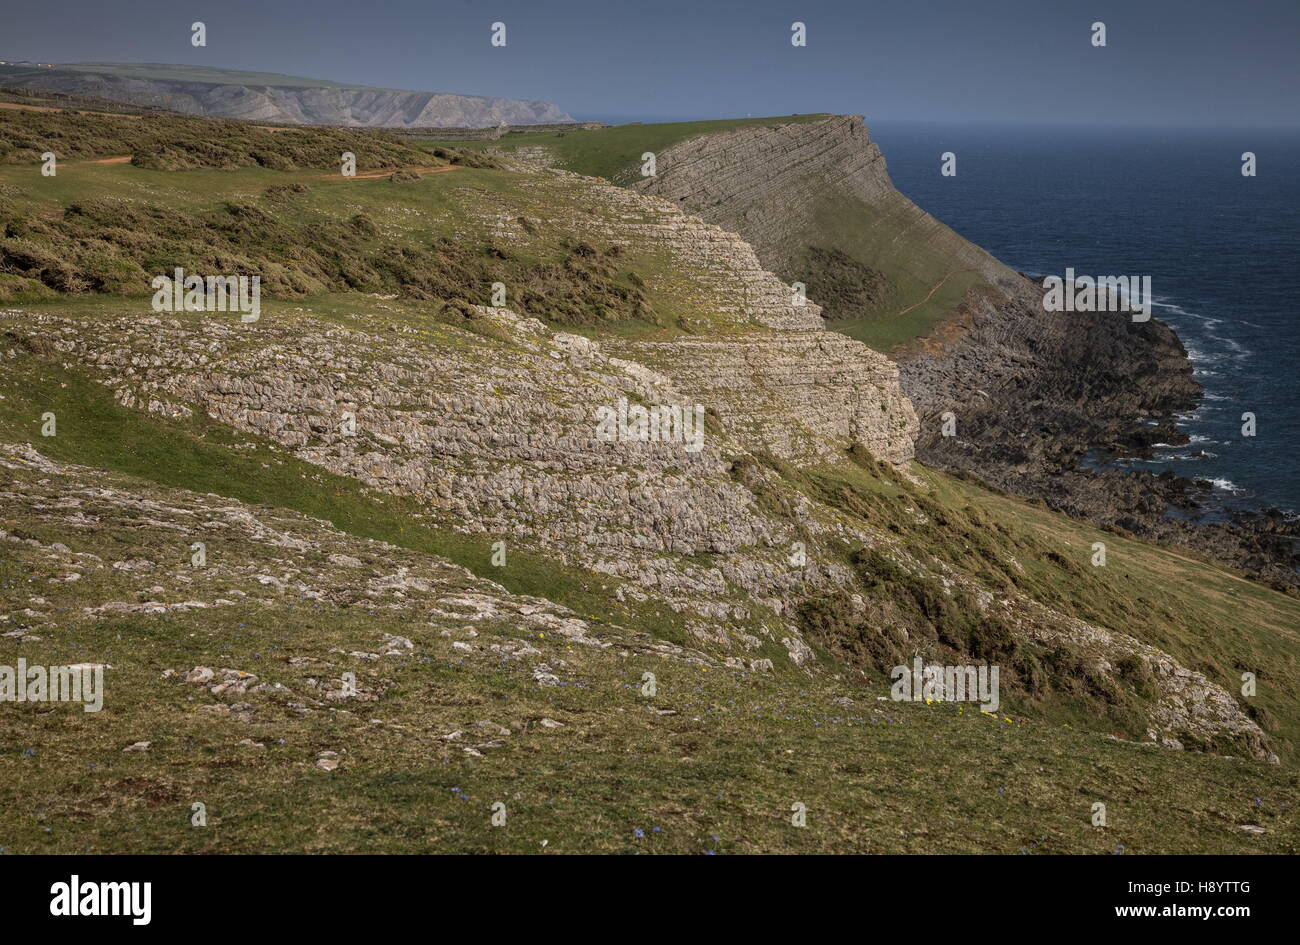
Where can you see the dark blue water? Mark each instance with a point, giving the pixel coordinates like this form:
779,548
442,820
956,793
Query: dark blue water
1221,250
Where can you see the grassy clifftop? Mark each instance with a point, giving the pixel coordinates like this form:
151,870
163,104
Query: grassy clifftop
615,152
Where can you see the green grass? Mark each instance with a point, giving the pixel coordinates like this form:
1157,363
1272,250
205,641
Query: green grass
611,152
176,142
429,240
719,775
883,236
1209,617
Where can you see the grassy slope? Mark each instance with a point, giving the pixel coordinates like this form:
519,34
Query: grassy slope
445,205
923,286
728,765
878,237
171,142
739,751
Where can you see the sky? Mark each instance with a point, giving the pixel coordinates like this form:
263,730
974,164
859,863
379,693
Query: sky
1166,62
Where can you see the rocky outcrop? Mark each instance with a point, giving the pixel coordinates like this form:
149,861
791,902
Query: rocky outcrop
1032,391
775,185
842,393
304,102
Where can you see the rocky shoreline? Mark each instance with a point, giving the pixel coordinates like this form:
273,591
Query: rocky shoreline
1037,395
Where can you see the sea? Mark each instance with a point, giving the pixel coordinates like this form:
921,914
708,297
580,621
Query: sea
1221,249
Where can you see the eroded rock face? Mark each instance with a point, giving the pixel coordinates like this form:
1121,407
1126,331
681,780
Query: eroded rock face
498,439
842,392
769,368
770,183
723,275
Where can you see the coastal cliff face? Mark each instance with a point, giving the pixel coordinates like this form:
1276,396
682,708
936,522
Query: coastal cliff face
326,105
1033,393
792,189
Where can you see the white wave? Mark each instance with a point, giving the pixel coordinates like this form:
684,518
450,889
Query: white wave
1227,485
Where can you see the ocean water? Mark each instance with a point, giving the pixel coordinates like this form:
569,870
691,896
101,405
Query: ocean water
1221,249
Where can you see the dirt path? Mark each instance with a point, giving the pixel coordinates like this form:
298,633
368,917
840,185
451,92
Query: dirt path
365,175
376,175
933,289
18,106
21,106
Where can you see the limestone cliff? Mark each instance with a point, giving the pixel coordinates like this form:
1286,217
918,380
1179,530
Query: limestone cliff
796,537
783,187
1032,392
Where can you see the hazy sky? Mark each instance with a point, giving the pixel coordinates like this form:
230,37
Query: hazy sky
1210,62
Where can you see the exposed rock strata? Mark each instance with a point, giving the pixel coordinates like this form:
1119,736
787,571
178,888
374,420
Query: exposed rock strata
494,431
768,183
497,439
1033,392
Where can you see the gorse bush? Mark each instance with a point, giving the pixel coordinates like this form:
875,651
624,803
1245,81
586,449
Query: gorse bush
109,245
841,285
296,245
180,142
